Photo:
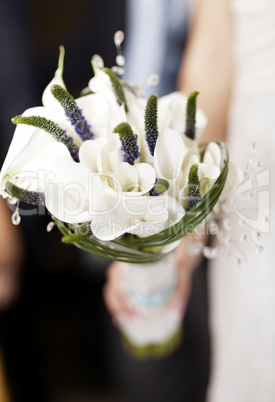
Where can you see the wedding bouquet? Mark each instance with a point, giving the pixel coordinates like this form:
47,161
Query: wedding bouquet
123,178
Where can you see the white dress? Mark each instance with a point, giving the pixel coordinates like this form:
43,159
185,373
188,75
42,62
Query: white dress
242,296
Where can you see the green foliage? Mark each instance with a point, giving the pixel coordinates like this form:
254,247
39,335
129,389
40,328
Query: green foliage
63,96
40,122
124,130
151,122
30,197
161,186
194,189
50,127
117,88
191,108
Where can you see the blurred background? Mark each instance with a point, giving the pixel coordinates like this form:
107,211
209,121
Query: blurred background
57,341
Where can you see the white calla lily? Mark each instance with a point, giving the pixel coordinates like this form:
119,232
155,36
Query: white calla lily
101,83
89,154
121,176
172,113
137,179
212,154
40,146
168,156
66,190
20,139
207,174
101,156
173,157
56,115
98,113
48,99
142,216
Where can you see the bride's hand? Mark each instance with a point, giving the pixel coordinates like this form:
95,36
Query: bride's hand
119,303
116,300
10,257
186,263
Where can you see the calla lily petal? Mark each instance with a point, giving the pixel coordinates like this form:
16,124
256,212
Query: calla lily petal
48,99
212,154
138,178
111,154
190,158
93,106
41,145
172,113
146,176
207,175
20,139
169,154
101,83
138,215
65,191
209,171
56,115
127,178
89,154
162,212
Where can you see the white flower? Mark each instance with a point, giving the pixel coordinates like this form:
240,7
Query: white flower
172,114
117,213
73,152
173,158
121,204
24,161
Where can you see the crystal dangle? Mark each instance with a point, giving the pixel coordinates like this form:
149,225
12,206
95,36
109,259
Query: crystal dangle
16,218
50,226
120,59
153,80
12,201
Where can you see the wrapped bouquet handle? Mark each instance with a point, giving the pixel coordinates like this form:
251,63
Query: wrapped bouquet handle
156,328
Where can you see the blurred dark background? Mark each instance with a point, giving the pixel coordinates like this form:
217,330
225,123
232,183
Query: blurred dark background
52,338
58,342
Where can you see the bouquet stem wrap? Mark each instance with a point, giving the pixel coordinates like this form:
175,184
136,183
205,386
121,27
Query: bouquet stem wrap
156,328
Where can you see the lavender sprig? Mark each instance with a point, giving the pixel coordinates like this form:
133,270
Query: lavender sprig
128,143
160,186
117,88
191,108
151,123
52,128
73,112
194,189
30,197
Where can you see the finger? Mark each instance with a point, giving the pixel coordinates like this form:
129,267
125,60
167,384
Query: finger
112,270
183,258
113,300
117,301
182,291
